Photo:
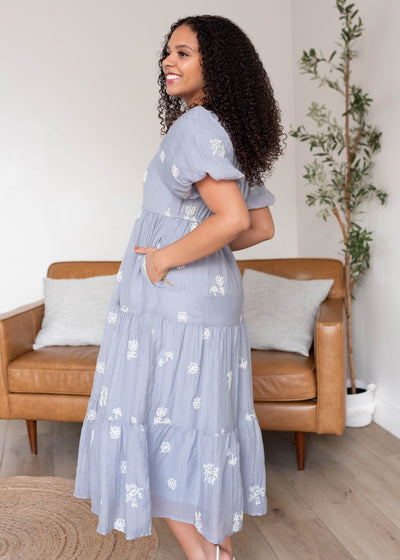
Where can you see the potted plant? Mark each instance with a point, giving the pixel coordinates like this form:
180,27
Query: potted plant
340,174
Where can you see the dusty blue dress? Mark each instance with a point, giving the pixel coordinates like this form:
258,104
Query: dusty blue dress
170,429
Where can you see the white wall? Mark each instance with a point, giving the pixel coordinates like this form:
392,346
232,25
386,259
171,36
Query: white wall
376,310
79,126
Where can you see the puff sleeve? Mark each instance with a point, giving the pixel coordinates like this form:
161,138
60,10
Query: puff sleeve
196,144
258,197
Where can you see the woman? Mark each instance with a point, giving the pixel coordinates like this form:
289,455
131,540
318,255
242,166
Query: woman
170,429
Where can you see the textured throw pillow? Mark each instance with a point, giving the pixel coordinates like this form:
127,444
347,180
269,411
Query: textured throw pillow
74,311
280,313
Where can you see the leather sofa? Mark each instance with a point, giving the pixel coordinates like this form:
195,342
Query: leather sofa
291,392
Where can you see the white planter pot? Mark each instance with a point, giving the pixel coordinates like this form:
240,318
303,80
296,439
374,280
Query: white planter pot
361,406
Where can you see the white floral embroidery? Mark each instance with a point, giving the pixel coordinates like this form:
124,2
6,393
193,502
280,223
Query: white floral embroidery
112,318
237,521
133,494
145,176
219,287
242,363
172,483
162,156
190,211
91,415
115,432
197,403
100,367
91,437
161,416
124,309
182,316
229,376
233,459
124,466
167,212
174,170
158,245
167,356
256,493
211,473
119,524
133,420
193,368
132,349
251,416
119,275
197,520
206,333
180,267
218,147
165,447
220,434
103,396
115,413
141,426
139,214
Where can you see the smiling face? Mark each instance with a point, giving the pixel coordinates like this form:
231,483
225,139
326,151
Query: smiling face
182,66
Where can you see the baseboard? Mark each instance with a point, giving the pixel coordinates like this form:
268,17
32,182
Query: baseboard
387,415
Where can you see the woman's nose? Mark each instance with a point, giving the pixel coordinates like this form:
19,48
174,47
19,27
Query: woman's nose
168,60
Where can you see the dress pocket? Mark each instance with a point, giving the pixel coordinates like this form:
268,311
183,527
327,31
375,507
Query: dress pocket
146,276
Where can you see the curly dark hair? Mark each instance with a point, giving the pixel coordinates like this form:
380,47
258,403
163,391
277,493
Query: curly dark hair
237,89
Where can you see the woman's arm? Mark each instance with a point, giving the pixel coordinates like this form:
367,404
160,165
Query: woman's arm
229,218
261,228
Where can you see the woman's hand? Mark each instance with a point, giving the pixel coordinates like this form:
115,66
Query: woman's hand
153,274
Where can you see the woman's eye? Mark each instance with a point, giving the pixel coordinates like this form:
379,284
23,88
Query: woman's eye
181,53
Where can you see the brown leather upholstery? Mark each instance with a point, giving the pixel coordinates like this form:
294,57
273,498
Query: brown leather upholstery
64,370
291,392
282,376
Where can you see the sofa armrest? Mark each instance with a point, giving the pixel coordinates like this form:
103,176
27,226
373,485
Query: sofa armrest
18,329
329,352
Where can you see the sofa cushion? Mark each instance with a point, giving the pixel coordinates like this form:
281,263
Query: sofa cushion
75,310
282,376
55,369
280,313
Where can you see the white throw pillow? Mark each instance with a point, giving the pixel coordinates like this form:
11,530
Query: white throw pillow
74,311
280,313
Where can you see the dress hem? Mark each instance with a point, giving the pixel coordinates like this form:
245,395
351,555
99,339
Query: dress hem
159,515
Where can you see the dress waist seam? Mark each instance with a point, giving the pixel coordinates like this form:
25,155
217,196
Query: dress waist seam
184,218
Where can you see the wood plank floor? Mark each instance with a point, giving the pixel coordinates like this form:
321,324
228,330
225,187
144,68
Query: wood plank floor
344,505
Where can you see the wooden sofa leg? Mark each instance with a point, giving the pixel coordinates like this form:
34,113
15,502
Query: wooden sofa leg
300,449
32,432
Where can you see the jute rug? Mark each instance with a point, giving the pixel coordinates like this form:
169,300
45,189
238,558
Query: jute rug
41,520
